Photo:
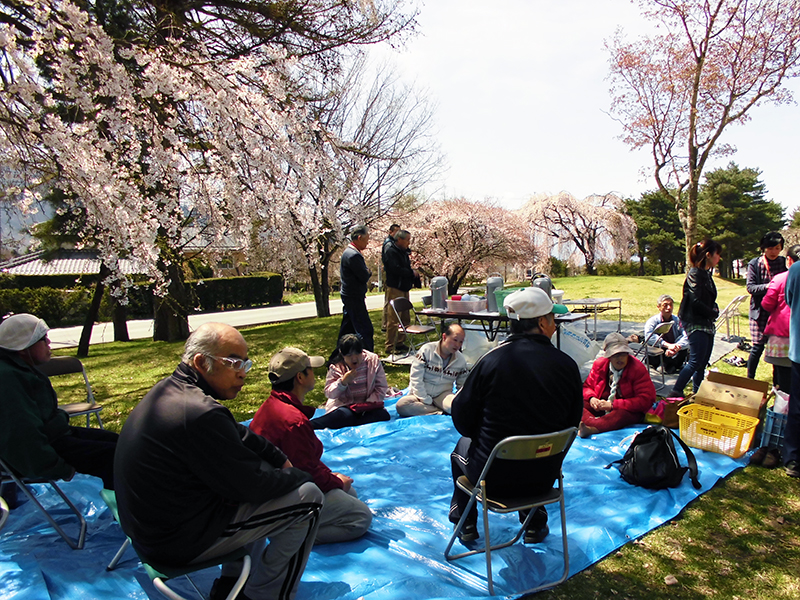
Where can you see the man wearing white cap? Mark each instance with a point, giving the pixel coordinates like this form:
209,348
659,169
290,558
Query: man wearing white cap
525,386
283,420
36,439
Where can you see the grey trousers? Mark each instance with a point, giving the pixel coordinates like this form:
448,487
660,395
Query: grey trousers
343,518
411,406
290,522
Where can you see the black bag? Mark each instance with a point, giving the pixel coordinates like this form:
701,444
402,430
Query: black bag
652,462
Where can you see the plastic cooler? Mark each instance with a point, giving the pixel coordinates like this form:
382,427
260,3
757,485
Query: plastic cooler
500,295
774,428
466,306
715,430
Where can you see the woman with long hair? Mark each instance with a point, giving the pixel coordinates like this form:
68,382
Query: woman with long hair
698,312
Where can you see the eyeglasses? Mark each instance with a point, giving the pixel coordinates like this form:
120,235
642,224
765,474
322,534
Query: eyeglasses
237,364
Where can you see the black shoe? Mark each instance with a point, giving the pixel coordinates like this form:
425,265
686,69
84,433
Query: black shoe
793,469
536,536
469,533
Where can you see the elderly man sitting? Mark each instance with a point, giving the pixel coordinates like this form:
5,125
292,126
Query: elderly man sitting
36,439
436,367
674,342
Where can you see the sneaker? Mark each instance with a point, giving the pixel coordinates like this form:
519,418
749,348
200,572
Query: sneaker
469,533
772,459
793,469
536,536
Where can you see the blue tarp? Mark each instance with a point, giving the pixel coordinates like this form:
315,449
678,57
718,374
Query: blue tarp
401,469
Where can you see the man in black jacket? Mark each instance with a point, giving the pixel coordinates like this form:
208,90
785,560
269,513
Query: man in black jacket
525,386
193,484
399,279
354,276
393,228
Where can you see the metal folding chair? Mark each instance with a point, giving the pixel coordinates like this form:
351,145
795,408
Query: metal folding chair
7,474
3,512
731,313
160,574
65,365
649,351
400,305
523,447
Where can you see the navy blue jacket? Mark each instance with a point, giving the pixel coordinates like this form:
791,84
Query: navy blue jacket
354,273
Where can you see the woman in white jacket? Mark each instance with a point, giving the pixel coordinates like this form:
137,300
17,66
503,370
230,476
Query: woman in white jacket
436,367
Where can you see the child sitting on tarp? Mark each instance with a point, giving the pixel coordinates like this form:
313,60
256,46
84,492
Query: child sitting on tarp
618,391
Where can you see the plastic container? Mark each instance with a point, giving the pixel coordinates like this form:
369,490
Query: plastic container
774,429
500,296
558,296
715,430
466,306
493,283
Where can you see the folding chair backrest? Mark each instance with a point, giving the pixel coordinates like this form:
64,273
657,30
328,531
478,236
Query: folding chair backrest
66,365
402,304
532,447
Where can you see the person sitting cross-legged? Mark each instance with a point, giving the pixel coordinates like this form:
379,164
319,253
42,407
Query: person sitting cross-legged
618,391
436,367
283,420
674,343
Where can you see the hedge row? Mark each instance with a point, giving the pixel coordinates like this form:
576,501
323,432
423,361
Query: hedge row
63,308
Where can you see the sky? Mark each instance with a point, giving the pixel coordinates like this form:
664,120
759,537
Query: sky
522,102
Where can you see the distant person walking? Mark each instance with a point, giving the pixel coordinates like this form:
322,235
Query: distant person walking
697,312
355,278
760,272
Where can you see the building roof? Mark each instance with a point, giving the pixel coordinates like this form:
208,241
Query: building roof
63,262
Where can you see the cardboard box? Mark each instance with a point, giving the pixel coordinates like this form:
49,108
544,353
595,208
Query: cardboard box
734,394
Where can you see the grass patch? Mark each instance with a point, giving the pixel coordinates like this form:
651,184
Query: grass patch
741,540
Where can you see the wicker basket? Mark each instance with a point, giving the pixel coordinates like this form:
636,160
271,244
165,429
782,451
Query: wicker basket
708,428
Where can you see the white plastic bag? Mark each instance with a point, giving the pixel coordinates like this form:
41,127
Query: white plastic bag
475,345
781,405
577,344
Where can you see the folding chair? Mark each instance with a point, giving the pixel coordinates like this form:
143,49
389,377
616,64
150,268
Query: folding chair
649,351
521,447
7,474
65,365
731,313
400,305
159,574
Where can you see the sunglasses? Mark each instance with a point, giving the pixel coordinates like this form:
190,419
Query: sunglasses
237,364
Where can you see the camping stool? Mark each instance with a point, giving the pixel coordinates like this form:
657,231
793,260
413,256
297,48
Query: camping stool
159,574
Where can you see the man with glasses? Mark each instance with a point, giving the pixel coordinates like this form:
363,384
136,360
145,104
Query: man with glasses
192,484
36,439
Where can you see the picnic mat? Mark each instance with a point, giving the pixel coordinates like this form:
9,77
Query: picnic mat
401,469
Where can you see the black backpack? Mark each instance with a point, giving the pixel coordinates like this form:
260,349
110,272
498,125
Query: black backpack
652,462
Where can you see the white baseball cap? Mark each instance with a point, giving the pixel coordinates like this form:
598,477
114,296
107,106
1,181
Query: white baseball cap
21,331
531,303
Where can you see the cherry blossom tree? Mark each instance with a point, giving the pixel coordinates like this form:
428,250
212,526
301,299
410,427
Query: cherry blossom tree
675,93
593,228
150,139
456,238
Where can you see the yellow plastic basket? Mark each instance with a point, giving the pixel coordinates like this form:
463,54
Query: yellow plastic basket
709,428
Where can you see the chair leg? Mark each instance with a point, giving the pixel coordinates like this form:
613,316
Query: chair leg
81,536
113,564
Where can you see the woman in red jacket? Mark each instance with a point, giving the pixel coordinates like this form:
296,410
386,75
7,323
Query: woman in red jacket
618,391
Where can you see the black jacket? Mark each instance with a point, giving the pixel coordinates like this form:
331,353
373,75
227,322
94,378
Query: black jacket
399,273
525,386
354,273
183,465
699,303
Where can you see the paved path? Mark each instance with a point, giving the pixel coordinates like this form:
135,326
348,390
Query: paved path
68,337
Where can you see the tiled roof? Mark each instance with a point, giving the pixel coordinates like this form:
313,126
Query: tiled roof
65,262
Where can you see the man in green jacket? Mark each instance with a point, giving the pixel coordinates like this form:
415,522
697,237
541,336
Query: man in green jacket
36,439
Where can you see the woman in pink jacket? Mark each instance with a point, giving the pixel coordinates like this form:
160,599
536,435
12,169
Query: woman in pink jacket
355,387
776,351
618,391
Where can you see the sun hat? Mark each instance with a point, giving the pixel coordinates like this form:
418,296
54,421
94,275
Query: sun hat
531,303
615,343
289,362
21,331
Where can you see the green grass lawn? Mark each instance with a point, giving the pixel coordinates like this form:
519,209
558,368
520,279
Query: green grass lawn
741,540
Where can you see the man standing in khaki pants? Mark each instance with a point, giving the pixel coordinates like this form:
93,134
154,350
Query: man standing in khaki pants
394,228
399,279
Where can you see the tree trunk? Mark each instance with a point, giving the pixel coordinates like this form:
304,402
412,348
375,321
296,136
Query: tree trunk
641,265
94,309
320,297
170,319
120,323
